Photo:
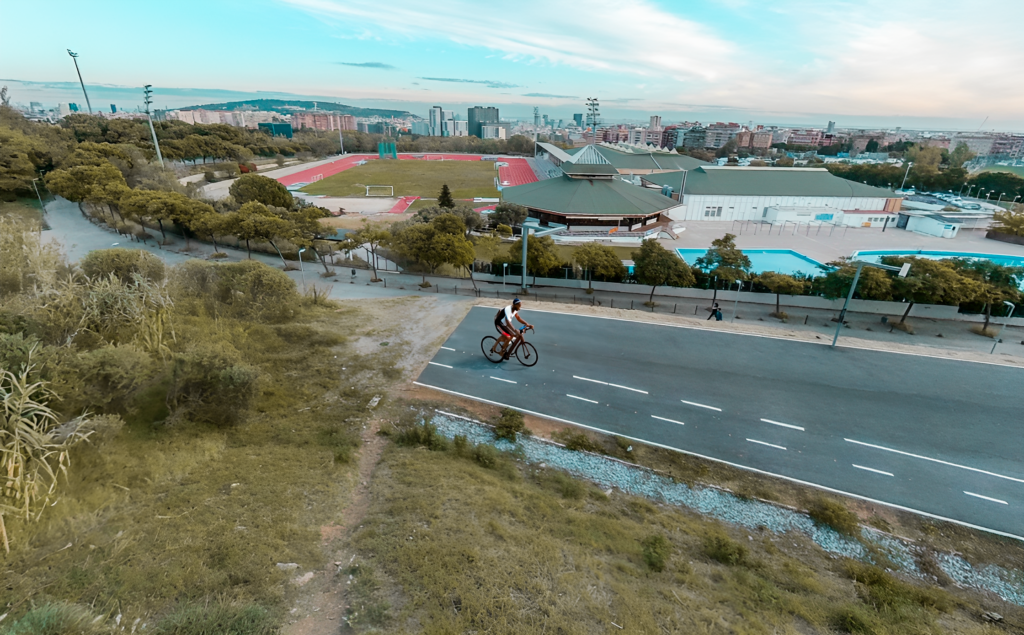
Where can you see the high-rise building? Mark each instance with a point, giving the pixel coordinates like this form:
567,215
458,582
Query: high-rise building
35,106
578,118
492,131
63,110
420,128
655,122
322,121
832,128
113,109
435,117
480,115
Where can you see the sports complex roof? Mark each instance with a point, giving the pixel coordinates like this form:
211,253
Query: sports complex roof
622,157
575,197
727,181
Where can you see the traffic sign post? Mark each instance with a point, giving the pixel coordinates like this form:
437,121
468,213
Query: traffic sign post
900,271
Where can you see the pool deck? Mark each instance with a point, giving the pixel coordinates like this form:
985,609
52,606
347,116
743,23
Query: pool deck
842,242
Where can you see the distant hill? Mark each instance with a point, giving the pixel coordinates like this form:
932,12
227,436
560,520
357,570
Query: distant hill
285,106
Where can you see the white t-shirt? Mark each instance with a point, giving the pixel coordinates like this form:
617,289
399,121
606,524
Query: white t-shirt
509,314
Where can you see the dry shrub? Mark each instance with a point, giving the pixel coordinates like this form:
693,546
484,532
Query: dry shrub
979,329
834,514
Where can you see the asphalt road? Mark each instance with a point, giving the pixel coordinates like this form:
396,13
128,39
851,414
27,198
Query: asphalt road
935,436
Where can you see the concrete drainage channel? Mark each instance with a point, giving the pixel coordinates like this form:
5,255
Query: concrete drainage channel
752,514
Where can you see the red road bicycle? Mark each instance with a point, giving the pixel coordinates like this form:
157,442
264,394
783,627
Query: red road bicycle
524,351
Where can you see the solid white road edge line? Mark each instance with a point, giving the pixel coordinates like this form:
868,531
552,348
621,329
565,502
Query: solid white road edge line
500,379
871,469
442,365
604,383
784,425
824,488
771,445
447,349
928,458
700,405
988,498
669,420
772,337
580,398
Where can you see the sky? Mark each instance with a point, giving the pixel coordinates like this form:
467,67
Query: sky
919,64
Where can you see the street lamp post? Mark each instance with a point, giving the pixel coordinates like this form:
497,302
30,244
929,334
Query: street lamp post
736,304
969,191
962,189
903,271
905,174
1000,335
504,270
147,92
302,273
74,56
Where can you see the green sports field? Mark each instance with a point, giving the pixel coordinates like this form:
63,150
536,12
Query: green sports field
466,179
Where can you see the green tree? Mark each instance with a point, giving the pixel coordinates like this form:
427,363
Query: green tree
470,217
372,236
779,283
444,199
874,284
931,282
209,225
599,260
102,183
1009,222
1005,183
656,266
541,256
253,187
998,283
724,260
306,230
509,214
872,146
253,221
961,154
159,206
503,230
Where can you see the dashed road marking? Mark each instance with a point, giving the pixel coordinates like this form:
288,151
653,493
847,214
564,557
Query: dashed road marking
441,365
669,420
871,469
700,405
988,498
784,425
580,398
504,380
771,445
928,458
604,383
447,349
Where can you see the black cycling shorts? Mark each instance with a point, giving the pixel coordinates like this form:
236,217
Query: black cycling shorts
507,330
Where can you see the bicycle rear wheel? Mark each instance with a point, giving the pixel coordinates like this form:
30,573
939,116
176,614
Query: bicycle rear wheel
486,344
526,354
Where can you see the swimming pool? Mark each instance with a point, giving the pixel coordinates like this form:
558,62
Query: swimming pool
779,260
1000,259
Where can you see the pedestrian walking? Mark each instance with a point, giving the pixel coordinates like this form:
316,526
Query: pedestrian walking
714,311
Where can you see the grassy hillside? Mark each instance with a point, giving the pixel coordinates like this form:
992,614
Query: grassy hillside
287,106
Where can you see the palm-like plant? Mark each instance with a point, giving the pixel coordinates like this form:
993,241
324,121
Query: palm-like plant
34,447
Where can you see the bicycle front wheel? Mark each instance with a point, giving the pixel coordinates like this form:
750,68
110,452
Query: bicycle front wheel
486,344
526,354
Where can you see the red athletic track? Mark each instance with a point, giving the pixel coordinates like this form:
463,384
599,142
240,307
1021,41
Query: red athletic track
518,172
403,205
340,165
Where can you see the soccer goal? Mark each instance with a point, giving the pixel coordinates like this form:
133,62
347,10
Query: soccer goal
317,177
433,157
379,190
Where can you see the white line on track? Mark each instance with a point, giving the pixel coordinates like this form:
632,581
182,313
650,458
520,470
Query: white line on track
700,405
771,445
580,398
504,380
994,500
669,420
871,469
598,381
784,425
447,349
441,365
928,458
824,488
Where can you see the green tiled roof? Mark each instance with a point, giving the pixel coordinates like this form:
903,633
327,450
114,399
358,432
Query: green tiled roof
649,160
586,197
767,182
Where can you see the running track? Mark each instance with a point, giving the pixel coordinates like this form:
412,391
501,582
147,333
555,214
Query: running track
518,171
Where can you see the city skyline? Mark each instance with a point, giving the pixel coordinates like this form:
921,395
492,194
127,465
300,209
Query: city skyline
792,64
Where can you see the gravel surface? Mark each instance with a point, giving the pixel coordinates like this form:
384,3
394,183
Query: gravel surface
608,472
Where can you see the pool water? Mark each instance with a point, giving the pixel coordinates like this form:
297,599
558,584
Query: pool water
778,260
1000,259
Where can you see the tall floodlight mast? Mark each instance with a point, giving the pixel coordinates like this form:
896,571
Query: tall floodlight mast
592,114
147,91
74,56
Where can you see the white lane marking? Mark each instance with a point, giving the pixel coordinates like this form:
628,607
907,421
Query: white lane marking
442,365
451,349
994,500
784,425
664,419
598,381
580,398
771,445
824,488
928,458
699,405
774,337
505,380
871,469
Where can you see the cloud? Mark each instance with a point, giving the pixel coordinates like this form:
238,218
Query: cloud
378,65
550,96
486,82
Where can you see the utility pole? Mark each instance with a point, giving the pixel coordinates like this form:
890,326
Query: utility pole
146,90
900,271
74,56
905,174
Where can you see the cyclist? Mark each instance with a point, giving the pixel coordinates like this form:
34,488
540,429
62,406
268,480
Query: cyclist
503,321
